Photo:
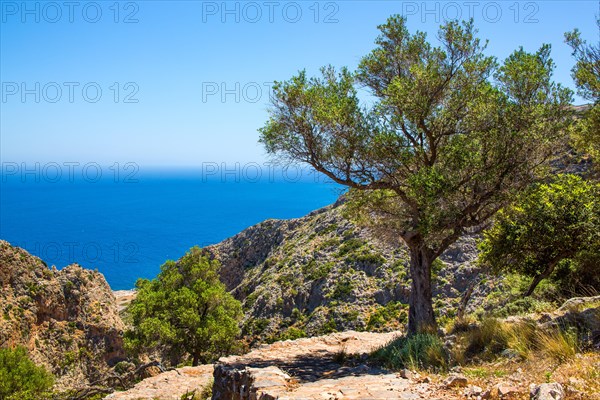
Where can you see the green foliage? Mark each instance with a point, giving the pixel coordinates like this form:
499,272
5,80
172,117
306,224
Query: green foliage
185,310
292,333
255,326
419,351
550,223
20,378
365,257
343,288
450,136
384,315
314,270
350,245
492,338
586,74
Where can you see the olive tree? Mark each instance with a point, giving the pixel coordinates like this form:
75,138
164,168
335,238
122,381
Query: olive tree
442,139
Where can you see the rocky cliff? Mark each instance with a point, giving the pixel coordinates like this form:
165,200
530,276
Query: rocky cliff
68,319
321,273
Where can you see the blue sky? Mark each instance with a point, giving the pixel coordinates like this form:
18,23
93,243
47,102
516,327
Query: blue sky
180,83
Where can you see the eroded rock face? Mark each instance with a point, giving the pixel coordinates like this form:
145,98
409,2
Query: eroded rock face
322,273
68,319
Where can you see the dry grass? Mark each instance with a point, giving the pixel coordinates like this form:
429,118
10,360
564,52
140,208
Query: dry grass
580,373
341,356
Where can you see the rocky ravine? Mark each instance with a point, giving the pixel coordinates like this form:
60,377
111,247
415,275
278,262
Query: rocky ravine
321,273
68,319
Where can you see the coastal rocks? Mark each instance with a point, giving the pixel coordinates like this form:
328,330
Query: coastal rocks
68,320
546,391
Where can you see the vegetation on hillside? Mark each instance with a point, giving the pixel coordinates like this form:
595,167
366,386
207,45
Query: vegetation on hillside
20,378
185,311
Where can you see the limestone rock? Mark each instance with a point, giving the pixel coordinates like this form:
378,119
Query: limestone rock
455,380
406,374
68,319
546,391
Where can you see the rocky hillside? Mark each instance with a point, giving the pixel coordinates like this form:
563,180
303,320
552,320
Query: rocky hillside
68,319
321,273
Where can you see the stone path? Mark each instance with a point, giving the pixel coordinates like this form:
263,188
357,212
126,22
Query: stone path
169,385
364,387
301,369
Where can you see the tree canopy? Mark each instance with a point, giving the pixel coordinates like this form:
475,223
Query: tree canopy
446,139
185,310
548,224
20,378
586,74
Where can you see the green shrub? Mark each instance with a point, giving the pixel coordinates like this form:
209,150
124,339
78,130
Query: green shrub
420,351
350,245
185,311
343,288
20,378
314,271
383,315
491,338
366,258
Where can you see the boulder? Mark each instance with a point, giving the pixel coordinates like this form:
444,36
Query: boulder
455,380
546,391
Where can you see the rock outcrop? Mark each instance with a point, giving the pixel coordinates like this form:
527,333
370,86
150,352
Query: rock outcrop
321,273
67,319
547,391
309,368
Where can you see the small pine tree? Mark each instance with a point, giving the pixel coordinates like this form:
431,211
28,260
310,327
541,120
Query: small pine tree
20,378
186,310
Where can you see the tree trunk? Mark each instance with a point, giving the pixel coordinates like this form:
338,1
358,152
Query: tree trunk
542,276
420,313
195,360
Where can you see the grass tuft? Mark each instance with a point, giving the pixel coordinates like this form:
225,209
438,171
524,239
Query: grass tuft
420,351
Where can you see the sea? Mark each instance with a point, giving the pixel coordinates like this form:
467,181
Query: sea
126,221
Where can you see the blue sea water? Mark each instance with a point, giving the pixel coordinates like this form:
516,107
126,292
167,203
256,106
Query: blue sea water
127,228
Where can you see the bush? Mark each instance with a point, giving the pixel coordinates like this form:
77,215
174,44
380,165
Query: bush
20,378
488,339
550,226
185,311
389,314
419,351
